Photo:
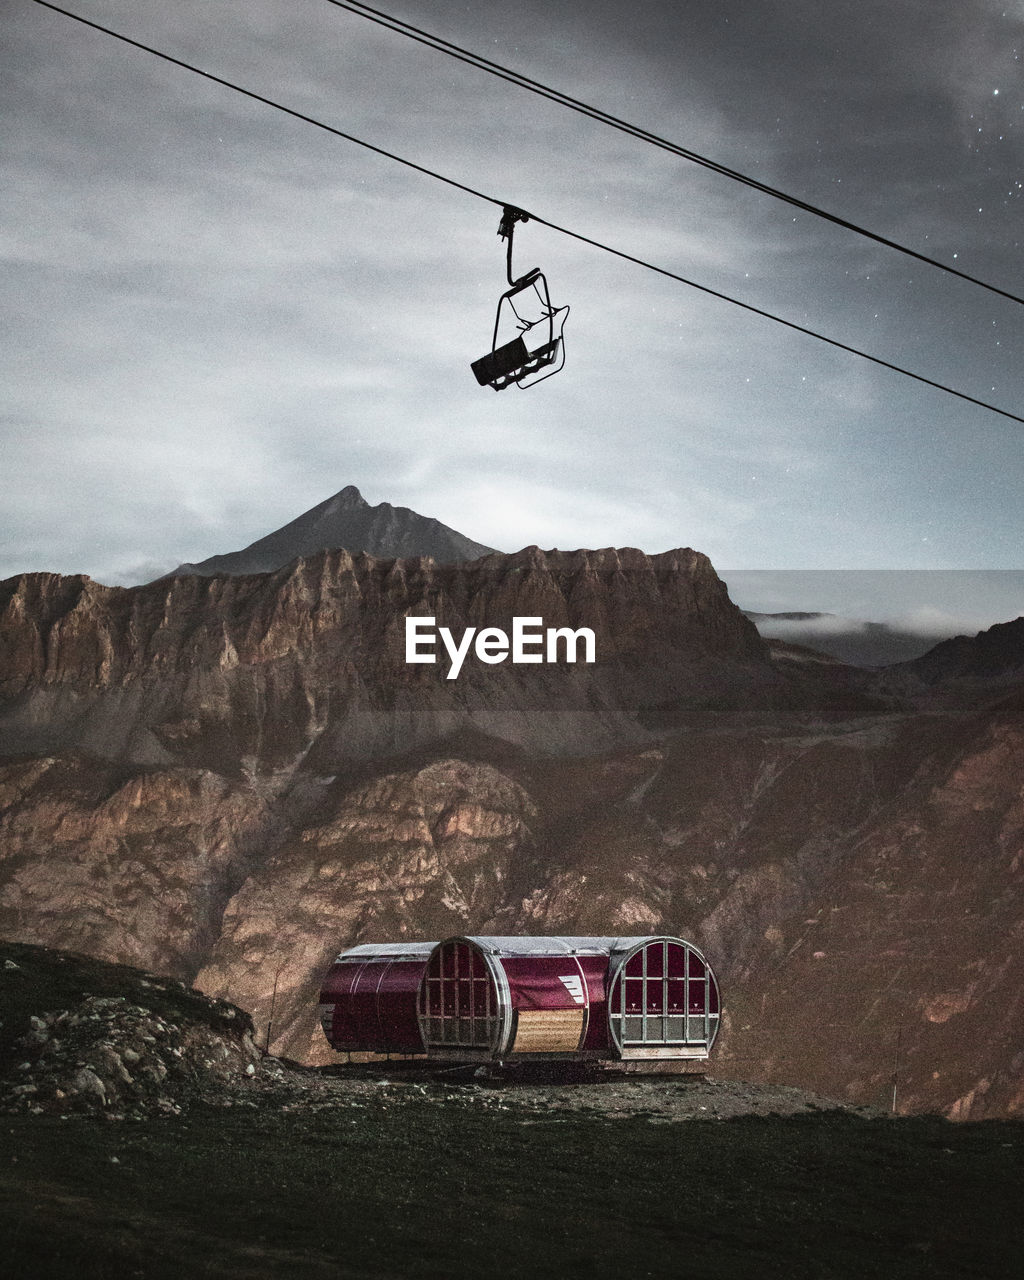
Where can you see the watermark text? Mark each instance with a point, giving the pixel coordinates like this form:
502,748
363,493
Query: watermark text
530,641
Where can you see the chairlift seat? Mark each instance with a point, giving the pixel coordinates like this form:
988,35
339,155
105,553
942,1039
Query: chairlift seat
501,364
500,368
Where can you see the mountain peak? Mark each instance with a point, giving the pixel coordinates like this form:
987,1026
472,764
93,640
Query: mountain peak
345,522
348,498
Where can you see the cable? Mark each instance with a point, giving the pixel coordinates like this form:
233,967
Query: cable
269,102
575,235
789,324
595,113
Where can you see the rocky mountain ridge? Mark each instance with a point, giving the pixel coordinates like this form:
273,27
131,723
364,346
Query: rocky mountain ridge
308,665
994,656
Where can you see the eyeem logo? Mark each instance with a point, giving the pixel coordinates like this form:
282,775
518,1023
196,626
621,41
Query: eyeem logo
530,641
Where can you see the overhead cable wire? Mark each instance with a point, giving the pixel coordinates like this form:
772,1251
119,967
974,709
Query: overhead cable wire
553,226
604,117
268,102
769,315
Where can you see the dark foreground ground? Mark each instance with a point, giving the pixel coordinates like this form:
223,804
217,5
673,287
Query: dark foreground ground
427,1187
192,1165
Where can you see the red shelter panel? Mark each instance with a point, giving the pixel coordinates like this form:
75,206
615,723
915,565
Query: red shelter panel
336,1012
597,1038
396,1006
549,999
368,998
545,982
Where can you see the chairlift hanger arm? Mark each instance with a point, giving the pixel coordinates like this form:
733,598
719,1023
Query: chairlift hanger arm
510,215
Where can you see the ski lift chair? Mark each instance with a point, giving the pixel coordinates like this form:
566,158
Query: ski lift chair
526,305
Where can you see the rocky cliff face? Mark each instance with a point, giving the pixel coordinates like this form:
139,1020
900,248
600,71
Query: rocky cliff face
135,869
881,936
410,855
229,780
307,665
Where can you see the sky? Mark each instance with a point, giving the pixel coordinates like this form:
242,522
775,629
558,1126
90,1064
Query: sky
215,315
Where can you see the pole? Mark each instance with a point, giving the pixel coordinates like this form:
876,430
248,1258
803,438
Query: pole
896,1065
273,1002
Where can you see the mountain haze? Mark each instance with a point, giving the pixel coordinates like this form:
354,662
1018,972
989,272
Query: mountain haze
852,640
345,522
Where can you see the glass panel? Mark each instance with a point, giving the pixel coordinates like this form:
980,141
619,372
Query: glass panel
460,1007
676,960
634,994
661,996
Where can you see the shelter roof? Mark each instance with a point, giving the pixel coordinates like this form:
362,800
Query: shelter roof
388,951
601,946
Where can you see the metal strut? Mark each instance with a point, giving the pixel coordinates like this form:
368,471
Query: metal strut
506,229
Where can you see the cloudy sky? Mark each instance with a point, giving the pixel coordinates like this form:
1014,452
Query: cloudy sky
216,315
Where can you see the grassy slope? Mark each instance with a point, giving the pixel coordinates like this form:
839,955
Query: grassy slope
424,1190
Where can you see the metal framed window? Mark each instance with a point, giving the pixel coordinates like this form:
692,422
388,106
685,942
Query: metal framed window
458,1000
663,995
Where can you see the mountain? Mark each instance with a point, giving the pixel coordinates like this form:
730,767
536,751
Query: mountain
882,616
228,779
996,654
306,667
862,644
345,522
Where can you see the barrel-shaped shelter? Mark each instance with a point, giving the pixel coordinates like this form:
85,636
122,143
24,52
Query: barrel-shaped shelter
496,998
368,998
